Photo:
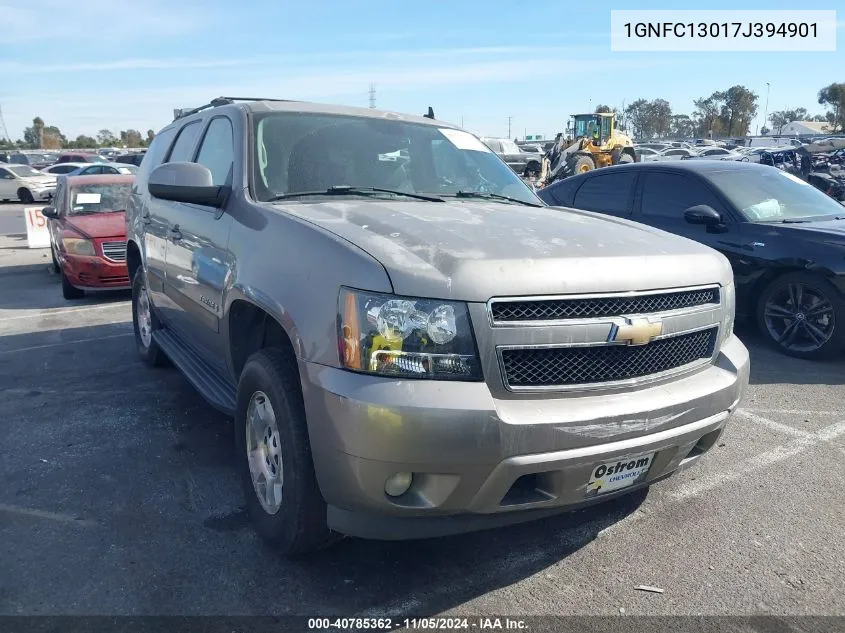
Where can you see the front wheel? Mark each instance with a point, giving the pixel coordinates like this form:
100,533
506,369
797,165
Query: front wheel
274,456
69,291
581,165
25,196
802,315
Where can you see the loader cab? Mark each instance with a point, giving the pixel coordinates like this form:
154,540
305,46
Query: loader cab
587,125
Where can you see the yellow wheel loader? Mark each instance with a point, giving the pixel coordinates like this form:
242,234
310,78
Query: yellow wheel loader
595,142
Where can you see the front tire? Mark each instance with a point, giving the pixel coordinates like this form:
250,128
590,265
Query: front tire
25,196
69,291
274,456
581,165
144,321
802,315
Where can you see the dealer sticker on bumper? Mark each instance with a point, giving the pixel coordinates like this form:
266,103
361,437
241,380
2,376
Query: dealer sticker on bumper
619,473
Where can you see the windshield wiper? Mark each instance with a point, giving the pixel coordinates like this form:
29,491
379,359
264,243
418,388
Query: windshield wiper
493,196
342,190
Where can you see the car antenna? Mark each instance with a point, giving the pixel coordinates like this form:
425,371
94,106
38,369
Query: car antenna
430,113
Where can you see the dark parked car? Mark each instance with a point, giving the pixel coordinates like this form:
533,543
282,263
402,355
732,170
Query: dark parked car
784,238
130,159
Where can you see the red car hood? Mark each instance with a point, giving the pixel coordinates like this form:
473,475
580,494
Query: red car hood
98,224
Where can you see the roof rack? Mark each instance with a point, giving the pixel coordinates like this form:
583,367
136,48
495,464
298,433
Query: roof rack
178,113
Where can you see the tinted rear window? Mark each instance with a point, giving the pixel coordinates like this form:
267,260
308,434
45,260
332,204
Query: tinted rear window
606,193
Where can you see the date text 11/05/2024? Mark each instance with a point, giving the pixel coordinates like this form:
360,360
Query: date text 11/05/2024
419,624
721,29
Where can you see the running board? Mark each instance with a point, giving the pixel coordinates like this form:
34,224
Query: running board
214,388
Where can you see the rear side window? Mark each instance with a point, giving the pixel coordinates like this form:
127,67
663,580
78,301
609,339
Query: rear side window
606,193
183,148
561,193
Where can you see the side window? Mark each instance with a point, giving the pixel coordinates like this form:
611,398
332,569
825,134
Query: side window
217,150
560,194
158,148
6,175
183,148
669,195
606,193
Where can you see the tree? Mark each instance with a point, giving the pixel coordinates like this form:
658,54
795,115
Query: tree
130,138
819,118
150,136
52,138
32,135
637,115
681,126
739,107
764,130
84,142
105,138
659,117
706,115
782,118
834,96
603,109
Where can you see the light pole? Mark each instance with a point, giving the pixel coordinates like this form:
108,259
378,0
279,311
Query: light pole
509,126
766,111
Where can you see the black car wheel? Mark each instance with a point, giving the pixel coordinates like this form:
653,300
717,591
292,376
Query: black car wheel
802,315
25,196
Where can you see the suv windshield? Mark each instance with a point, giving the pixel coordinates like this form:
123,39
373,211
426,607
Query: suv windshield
774,195
24,171
295,153
99,198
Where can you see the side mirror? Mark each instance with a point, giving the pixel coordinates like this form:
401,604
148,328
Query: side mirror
50,212
703,214
186,182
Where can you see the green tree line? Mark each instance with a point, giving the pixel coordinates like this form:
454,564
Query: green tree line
725,113
39,135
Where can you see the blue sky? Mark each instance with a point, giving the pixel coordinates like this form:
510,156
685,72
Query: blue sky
120,64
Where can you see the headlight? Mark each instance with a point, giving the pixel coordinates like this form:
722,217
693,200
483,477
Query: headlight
406,337
78,246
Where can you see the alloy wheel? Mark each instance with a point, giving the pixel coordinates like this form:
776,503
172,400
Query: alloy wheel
799,317
264,452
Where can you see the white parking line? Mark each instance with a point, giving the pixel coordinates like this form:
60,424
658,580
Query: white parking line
60,343
775,426
767,458
58,311
43,514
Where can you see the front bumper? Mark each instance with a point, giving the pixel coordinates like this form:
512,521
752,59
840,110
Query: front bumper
483,462
42,193
94,272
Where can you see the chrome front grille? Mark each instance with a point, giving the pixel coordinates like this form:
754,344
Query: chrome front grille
114,251
538,310
548,367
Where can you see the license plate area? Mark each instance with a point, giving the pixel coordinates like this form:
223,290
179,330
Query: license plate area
619,473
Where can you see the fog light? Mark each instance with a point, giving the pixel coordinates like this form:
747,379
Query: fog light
398,484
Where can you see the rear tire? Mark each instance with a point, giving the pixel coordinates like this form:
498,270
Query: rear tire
274,456
625,159
144,322
802,315
69,291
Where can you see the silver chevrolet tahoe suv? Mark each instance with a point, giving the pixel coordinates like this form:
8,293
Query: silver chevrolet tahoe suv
410,342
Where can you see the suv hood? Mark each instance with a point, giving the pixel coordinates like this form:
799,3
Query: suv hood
473,250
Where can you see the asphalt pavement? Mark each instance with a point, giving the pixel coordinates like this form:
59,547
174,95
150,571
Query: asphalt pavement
119,497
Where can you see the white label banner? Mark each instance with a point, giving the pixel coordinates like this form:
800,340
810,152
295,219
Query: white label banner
723,30
37,234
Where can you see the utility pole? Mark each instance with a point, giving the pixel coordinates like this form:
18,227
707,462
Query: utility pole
372,96
766,111
462,121
509,126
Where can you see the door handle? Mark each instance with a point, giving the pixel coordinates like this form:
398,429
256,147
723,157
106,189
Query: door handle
146,218
175,234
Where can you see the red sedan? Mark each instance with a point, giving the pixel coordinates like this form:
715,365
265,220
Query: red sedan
88,233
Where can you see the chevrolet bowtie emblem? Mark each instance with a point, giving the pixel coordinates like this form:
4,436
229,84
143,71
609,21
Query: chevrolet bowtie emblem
636,331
